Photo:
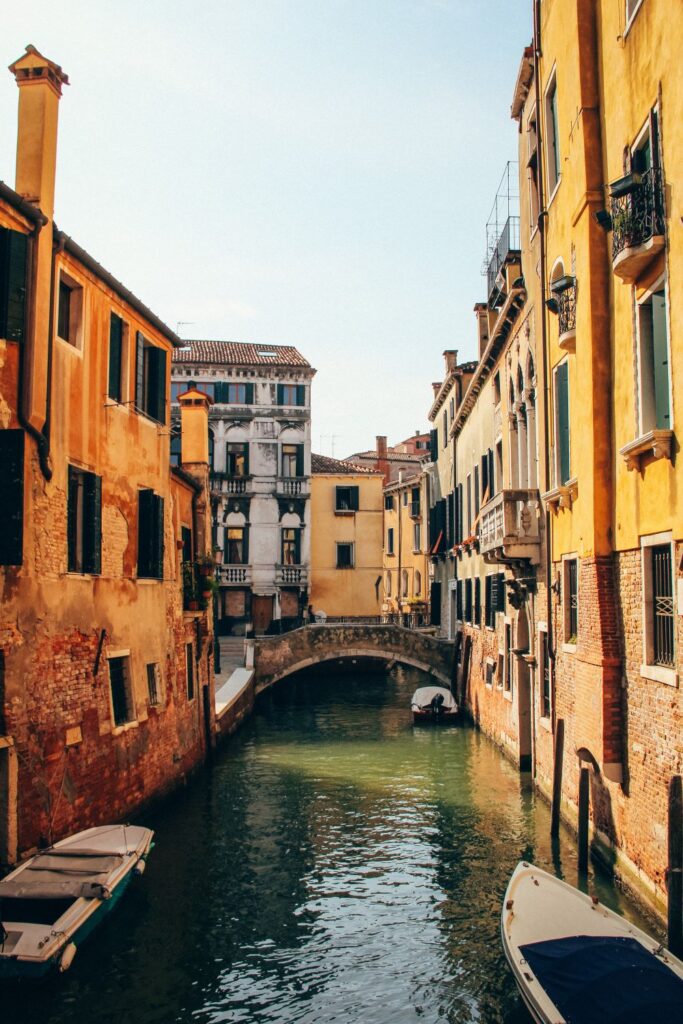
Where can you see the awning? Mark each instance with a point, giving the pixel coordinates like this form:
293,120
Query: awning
434,550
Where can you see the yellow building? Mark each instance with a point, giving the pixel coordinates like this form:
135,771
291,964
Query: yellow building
406,576
346,539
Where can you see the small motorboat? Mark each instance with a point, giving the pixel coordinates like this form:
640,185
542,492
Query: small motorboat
577,962
51,902
433,704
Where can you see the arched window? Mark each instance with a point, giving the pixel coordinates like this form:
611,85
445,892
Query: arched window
418,583
404,583
387,584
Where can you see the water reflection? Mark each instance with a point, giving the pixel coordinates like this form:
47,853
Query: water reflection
337,865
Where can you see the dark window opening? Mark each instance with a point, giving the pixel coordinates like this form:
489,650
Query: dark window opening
150,379
84,522
346,499
189,668
121,697
150,535
345,556
572,598
153,687
237,459
115,357
291,546
236,550
12,497
13,251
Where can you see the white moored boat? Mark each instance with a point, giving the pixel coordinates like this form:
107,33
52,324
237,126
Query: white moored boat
433,704
51,902
577,962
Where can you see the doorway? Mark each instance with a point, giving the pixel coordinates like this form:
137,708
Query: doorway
262,613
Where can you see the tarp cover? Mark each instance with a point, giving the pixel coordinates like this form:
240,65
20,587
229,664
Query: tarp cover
49,877
423,697
604,980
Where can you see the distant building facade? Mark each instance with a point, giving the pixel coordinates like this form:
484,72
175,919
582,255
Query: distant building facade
346,539
260,453
405,457
406,584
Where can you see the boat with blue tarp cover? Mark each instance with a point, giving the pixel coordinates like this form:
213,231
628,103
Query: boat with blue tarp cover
51,903
577,962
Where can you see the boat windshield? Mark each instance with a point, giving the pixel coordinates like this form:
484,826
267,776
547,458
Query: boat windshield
23,911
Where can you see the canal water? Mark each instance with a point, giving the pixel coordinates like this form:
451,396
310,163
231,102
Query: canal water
338,865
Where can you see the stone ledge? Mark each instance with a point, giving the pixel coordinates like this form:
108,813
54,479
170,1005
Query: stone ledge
656,443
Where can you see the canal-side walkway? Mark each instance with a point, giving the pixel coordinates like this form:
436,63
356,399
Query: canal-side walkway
234,689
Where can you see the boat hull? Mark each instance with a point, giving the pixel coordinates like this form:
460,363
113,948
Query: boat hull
430,718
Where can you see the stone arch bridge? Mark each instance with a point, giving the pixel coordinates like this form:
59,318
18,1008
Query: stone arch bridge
279,656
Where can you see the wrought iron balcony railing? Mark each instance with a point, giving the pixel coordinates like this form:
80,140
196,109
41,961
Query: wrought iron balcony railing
509,526
507,244
567,312
637,212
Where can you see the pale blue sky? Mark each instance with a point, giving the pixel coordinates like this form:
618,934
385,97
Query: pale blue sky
314,173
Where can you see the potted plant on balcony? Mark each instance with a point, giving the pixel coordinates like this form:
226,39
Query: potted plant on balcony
209,587
205,565
190,595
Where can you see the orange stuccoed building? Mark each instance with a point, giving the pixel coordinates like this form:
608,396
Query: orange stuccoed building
106,634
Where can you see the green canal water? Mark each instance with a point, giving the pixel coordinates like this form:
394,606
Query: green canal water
337,865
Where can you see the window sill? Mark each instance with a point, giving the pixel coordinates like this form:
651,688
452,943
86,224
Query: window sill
119,729
545,723
507,694
562,497
660,674
344,568
148,579
569,648
345,512
74,346
656,444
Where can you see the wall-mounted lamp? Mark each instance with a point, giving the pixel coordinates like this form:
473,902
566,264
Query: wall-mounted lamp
604,219
552,305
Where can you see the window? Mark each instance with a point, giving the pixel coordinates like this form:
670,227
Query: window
176,452
150,379
458,514
416,537
490,672
476,618
346,499
70,311
433,445
292,460
415,501
387,584
189,670
498,474
345,556
476,491
237,458
291,546
236,552
390,540
494,595
451,409
234,393
12,497
507,675
418,583
562,448
405,498
404,583
468,524
178,387
445,428
552,135
84,522
571,600
659,609
468,600
186,540
532,171
116,360
123,707
544,671
13,247
388,502
291,394
653,363
153,684
150,535
632,8
460,600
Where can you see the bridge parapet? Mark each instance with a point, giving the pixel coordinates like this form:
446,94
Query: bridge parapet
278,656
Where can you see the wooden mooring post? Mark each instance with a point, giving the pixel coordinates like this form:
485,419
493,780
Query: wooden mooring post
674,875
557,778
584,802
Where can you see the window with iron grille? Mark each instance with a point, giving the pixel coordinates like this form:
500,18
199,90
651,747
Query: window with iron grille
662,606
571,600
153,686
507,677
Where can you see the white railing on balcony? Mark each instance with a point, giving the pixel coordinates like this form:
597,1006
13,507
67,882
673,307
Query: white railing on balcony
291,574
221,483
509,524
292,487
231,574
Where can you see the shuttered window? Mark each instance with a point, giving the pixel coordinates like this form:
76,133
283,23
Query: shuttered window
121,692
234,393
115,356
237,458
84,522
346,499
292,460
11,497
150,535
150,379
291,394
477,602
13,248
433,445
435,603
544,668
653,364
291,546
468,600
562,424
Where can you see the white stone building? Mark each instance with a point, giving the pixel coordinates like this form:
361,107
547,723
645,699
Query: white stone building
260,454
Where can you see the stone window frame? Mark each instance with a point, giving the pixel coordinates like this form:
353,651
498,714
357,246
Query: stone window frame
158,690
648,670
76,329
417,539
129,683
639,301
351,564
569,647
551,136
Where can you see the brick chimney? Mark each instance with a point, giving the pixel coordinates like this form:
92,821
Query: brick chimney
382,464
451,359
481,313
40,84
436,387
194,457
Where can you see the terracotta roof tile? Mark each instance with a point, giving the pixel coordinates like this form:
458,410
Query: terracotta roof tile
239,353
325,464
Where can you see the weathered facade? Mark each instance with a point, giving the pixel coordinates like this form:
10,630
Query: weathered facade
405,577
260,445
346,539
106,685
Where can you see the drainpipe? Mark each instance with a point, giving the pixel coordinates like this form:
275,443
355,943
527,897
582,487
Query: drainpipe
399,496
542,220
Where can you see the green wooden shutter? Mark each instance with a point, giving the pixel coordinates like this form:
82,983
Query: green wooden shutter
562,405
434,445
477,602
13,248
501,591
139,372
353,499
299,460
158,525
72,519
280,394
491,474
249,394
245,545
115,342
450,521
11,496
156,370
145,502
246,458
435,603
660,355
92,523
301,394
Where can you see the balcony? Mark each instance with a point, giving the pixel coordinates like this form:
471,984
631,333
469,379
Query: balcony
509,527
233,575
505,251
291,575
564,294
637,212
225,483
293,486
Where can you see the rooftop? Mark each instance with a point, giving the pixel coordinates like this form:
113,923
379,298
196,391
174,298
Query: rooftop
239,353
325,464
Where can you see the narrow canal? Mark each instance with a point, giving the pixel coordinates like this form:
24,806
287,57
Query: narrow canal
338,865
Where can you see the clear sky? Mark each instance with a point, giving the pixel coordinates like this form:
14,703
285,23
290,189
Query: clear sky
315,173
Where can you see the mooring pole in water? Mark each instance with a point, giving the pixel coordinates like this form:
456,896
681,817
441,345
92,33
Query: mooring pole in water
584,799
674,875
557,778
